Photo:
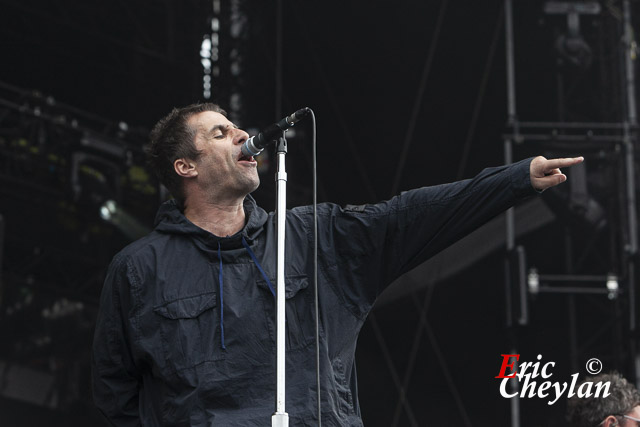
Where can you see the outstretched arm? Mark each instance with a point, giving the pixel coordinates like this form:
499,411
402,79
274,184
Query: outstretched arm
374,244
545,173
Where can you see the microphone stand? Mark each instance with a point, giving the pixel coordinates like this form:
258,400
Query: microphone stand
280,418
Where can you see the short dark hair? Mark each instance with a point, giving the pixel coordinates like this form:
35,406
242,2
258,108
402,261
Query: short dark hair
589,411
173,138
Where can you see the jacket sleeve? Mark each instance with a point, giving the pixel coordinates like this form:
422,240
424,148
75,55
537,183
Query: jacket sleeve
372,245
115,379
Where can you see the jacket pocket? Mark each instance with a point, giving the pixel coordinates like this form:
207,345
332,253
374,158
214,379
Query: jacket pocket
300,312
188,327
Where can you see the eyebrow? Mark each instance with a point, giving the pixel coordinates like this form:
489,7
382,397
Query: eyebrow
221,127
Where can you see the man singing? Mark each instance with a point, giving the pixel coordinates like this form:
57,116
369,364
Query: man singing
186,330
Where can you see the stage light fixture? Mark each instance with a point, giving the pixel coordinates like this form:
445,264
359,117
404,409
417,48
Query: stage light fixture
107,210
570,45
612,286
112,213
533,281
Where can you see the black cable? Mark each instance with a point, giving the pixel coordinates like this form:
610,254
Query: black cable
315,259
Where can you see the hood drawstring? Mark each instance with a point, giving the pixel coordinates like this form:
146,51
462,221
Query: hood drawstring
220,281
255,261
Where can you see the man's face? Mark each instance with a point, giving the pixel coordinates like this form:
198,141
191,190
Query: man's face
634,415
223,172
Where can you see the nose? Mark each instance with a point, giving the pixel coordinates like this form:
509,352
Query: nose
240,136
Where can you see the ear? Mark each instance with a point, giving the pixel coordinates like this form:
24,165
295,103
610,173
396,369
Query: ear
185,168
610,421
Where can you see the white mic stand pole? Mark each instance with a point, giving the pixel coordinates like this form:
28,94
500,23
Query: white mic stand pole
280,418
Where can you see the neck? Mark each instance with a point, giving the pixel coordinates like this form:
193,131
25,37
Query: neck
221,219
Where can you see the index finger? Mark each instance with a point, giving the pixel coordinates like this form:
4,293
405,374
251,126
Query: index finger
563,162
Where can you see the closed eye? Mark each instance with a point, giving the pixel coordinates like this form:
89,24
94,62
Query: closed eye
221,131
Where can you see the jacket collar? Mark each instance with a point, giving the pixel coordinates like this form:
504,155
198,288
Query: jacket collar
170,219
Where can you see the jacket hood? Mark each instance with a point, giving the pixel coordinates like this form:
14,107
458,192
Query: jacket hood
171,220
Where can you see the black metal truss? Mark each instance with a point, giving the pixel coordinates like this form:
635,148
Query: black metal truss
599,264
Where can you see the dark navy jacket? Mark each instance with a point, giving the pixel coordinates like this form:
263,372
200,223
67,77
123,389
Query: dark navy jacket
186,330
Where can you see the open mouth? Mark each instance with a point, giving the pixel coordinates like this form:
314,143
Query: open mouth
244,158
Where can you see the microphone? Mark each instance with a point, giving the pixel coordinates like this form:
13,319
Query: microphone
254,145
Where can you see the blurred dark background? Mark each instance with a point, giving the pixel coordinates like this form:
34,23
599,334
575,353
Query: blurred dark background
406,94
